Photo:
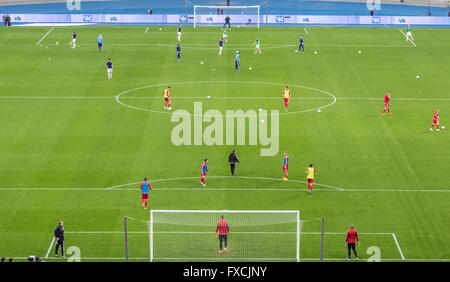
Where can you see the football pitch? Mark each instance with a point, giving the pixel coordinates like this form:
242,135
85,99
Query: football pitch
74,145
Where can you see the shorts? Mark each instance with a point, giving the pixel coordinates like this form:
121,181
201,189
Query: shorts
285,168
286,100
167,99
110,70
74,40
386,104
310,180
409,33
179,33
144,196
100,44
225,36
435,121
220,48
257,46
203,175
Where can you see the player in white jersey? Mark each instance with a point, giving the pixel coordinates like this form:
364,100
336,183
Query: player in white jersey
179,32
74,40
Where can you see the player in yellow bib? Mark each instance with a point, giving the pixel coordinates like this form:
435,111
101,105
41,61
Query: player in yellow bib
167,100
287,97
310,172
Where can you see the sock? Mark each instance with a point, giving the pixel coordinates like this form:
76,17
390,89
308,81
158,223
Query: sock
146,203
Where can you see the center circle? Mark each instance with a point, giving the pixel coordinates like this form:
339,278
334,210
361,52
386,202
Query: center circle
124,93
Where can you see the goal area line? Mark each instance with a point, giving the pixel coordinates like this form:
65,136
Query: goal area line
402,258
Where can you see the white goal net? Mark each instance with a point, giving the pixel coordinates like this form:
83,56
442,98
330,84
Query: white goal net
215,15
190,235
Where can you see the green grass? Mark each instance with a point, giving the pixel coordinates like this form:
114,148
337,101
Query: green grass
61,127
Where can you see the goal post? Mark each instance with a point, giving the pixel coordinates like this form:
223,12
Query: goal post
255,235
215,15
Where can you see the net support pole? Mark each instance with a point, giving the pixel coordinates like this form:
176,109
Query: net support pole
151,235
185,10
195,8
126,237
298,237
322,238
267,11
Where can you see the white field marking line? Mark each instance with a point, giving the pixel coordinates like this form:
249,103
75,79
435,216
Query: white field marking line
398,246
337,259
209,189
408,38
212,97
223,81
305,31
45,35
50,248
146,29
200,232
243,177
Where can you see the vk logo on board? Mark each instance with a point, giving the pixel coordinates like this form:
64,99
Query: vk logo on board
87,18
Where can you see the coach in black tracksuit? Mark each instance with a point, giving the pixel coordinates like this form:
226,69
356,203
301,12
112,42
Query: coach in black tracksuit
232,159
59,237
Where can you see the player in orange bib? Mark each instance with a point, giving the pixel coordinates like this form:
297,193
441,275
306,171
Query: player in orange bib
167,100
435,120
287,97
310,172
387,98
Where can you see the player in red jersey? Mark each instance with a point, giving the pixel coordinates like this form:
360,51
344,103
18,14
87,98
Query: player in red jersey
287,97
285,165
435,120
167,100
387,98
222,231
145,188
204,171
351,240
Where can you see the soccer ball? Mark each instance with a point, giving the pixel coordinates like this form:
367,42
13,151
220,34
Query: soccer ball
201,63
237,26
319,111
295,51
359,51
442,127
209,97
315,52
160,28
262,121
417,76
250,68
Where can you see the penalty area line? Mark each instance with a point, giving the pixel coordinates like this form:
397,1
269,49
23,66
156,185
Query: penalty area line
50,248
37,43
408,38
398,246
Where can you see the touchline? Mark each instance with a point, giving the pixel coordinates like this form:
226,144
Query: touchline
214,128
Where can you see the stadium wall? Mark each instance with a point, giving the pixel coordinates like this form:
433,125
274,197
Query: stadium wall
219,19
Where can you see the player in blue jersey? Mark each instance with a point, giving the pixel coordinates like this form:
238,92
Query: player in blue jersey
178,52
204,171
236,62
109,67
145,189
220,46
74,40
179,32
301,47
100,42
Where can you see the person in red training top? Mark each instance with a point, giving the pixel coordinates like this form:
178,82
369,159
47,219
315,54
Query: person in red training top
352,240
222,231
435,120
387,98
286,97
